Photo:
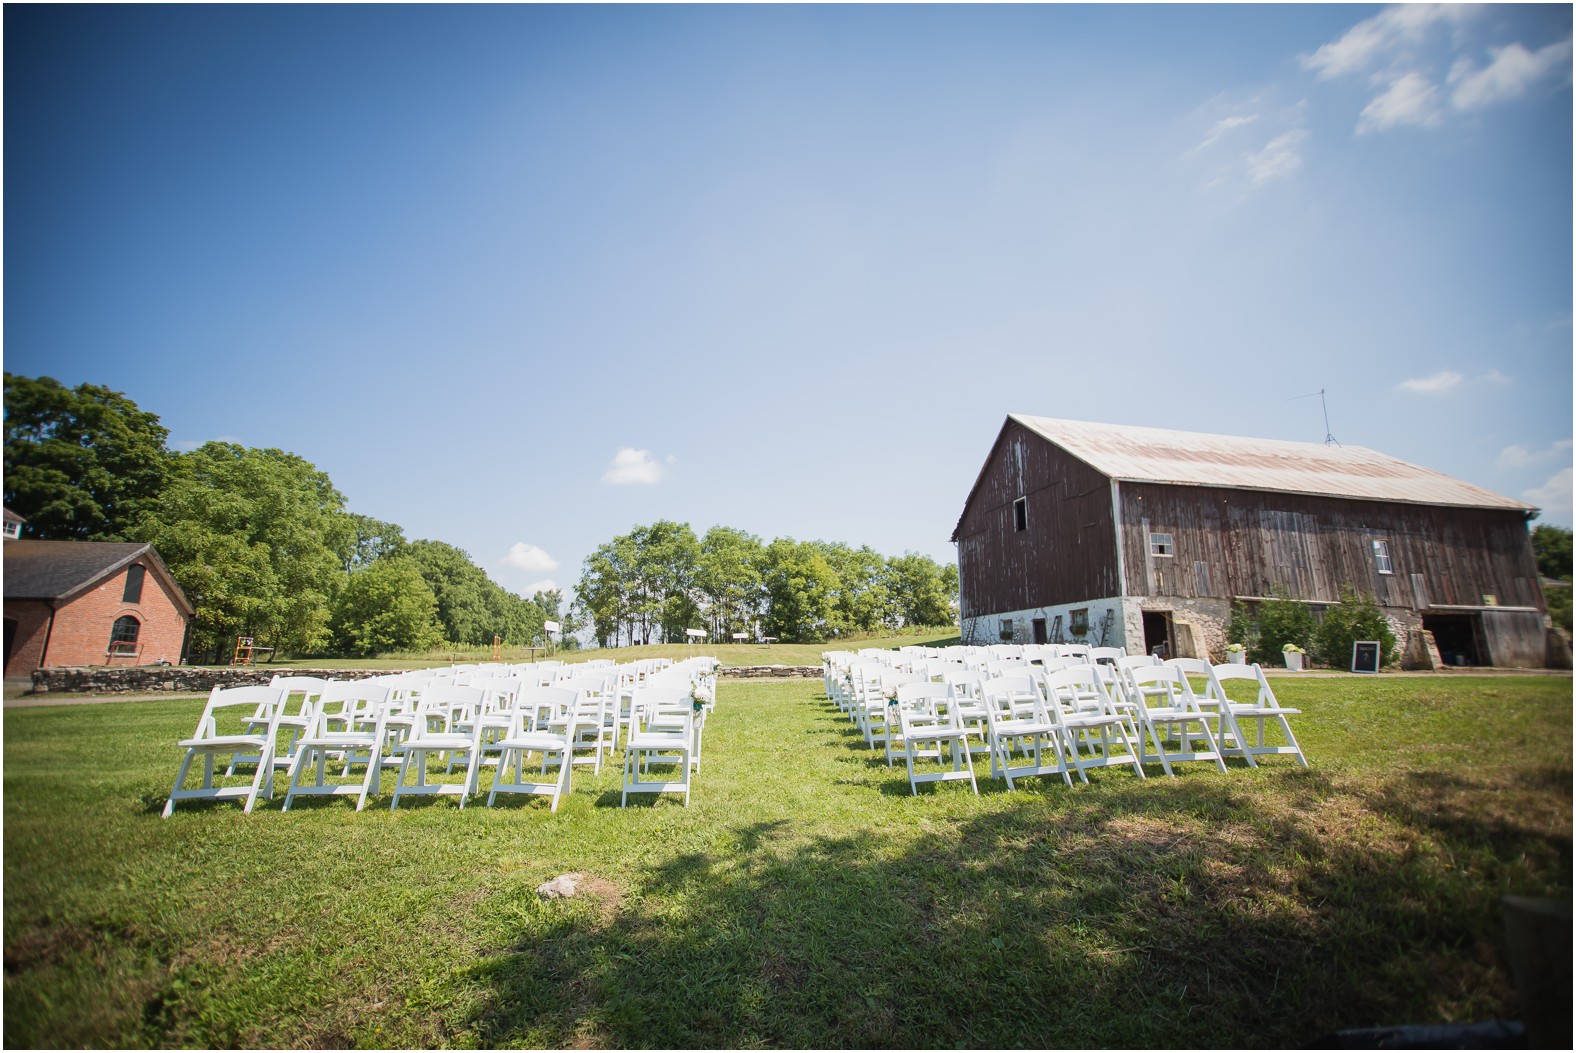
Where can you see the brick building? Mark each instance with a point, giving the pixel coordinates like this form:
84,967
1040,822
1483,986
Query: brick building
77,603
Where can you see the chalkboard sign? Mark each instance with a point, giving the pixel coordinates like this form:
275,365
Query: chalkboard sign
1365,656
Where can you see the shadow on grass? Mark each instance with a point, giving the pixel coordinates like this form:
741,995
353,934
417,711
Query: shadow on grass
1179,912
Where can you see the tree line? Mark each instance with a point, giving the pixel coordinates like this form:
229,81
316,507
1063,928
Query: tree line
258,539
651,584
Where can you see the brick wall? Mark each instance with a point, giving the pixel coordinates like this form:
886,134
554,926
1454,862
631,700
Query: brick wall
83,625
27,642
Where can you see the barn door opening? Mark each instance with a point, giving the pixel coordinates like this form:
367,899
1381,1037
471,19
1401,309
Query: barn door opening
1458,637
1038,626
1157,634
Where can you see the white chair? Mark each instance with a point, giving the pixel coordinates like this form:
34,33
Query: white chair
1077,701
544,720
1211,697
1264,707
433,731
228,727
928,722
662,735
349,720
1172,707
1021,731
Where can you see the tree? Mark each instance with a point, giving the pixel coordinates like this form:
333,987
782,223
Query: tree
1356,617
472,608
372,540
919,589
386,606
257,539
800,588
728,580
1551,545
80,463
1281,620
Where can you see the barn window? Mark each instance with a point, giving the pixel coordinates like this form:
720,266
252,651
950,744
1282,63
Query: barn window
1382,557
1078,622
124,636
134,575
1006,632
1020,514
1161,545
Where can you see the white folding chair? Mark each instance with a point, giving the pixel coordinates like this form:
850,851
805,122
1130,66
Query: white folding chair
662,736
1077,701
1172,707
349,720
433,731
1263,708
928,723
229,726
544,720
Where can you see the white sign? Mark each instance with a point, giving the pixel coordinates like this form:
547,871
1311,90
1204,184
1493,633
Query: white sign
694,632
552,627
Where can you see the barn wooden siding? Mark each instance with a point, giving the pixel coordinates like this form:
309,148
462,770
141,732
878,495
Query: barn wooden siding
1241,543
1068,552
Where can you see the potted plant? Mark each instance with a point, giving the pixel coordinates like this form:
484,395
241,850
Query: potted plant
1293,655
1236,654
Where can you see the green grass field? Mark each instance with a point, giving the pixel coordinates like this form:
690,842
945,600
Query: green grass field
804,898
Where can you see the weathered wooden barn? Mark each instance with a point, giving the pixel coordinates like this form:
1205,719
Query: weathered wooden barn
1142,537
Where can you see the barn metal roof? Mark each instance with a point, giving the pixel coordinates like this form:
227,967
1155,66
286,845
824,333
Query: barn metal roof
1184,458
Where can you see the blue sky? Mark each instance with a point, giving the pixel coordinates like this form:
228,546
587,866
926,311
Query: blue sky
521,278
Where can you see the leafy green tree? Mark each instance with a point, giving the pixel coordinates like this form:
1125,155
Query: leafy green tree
386,606
801,587
472,608
80,463
1356,617
371,540
603,591
861,601
728,580
257,539
1281,620
1551,545
919,590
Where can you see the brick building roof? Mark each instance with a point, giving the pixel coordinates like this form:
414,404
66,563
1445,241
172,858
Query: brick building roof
58,570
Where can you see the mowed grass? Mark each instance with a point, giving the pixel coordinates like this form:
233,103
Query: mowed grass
804,898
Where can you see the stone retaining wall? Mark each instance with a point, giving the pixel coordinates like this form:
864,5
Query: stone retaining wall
100,680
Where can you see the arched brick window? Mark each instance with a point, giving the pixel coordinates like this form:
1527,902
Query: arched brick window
124,636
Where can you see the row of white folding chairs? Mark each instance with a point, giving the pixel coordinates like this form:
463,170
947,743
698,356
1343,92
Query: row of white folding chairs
397,719
1129,704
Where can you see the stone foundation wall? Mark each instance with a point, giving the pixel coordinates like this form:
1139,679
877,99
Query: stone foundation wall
149,679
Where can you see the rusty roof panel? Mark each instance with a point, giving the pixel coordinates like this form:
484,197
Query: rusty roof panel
1159,455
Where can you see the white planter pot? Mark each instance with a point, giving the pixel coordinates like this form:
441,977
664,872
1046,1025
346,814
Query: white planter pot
1293,660
1237,657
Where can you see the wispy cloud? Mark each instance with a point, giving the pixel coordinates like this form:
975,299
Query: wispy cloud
632,467
1410,99
533,559
1280,157
1378,40
1222,127
545,585
1518,456
1405,52
1554,496
1440,382
1513,71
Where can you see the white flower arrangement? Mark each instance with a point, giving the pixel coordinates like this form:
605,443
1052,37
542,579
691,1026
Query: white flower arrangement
1235,648
1292,648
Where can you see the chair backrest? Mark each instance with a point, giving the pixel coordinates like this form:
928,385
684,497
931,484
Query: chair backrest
1133,660
1106,654
240,705
447,703
1075,688
1211,693
343,703
302,692
1148,680
1252,673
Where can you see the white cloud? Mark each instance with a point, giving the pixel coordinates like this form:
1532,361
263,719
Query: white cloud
530,558
1554,496
1513,70
1376,41
1517,456
1494,376
631,467
1410,99
1279,158
1222,126
1437,384
545,585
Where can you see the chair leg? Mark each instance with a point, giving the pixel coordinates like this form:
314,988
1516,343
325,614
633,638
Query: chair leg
180,780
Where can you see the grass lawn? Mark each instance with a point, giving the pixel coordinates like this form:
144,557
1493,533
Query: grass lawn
804,898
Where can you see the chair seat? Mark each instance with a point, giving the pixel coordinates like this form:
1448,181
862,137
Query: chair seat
436,742
650,740
535,742
340,740
226,742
